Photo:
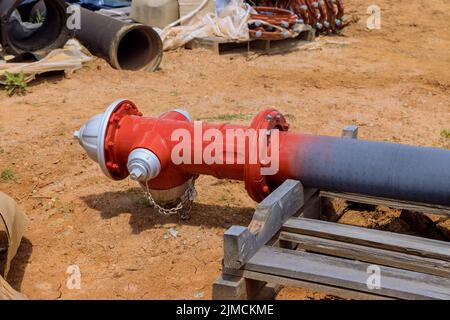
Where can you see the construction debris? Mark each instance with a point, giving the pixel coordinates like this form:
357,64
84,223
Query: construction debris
230,24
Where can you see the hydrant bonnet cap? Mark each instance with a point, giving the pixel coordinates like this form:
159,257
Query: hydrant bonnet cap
92,136
88,136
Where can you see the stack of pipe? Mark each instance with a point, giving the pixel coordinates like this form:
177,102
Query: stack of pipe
271,23
325,16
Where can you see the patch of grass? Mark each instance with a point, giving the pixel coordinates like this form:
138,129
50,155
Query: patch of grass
445,134
228,117
7,175
15,83
39,17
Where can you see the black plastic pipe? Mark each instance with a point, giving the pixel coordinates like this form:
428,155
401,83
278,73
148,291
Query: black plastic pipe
125,46
51,33
403,172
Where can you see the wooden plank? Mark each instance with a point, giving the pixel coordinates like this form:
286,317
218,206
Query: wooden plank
315,287
263,45
348,274
216,44
308,34
309,194
397,204
241,243
369,254
228,287
208,45
231,287
313,206
428,248
350,132
220,45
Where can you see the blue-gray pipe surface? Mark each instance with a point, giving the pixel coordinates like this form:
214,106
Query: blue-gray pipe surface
371,168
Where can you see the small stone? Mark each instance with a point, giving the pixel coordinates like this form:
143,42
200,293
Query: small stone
199,295
173,232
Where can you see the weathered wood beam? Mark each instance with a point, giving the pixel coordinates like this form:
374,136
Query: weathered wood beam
423,247
348,274
391,203
368,254
241,243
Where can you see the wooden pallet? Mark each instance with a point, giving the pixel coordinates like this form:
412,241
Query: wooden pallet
221,46
286,245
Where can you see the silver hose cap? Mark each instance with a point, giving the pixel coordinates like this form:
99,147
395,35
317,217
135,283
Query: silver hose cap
143,165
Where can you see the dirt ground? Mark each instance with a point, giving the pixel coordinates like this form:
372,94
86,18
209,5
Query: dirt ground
394,83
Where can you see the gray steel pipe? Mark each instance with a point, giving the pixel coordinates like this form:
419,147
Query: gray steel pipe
379,169
125,46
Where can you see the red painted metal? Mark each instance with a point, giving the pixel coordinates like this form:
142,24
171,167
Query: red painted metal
258,186
316,11
274,15
275,19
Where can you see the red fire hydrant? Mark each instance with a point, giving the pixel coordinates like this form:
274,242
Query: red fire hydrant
125,143
166,154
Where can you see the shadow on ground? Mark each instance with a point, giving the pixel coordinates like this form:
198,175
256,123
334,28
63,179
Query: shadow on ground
143,216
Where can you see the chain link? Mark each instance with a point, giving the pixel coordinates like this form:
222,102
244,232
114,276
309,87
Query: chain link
183,207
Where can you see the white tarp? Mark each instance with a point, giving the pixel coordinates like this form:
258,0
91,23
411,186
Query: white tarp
230,24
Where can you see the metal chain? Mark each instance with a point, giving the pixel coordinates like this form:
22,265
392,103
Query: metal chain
185,202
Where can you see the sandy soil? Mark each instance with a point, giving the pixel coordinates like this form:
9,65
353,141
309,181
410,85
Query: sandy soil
394,83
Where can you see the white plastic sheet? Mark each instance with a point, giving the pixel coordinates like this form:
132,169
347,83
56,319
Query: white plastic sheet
231,24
